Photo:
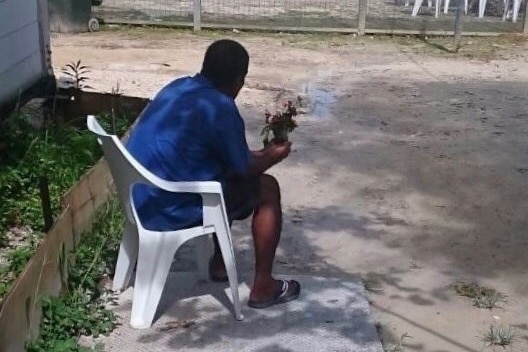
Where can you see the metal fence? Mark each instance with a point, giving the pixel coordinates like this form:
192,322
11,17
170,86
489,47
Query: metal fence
363,16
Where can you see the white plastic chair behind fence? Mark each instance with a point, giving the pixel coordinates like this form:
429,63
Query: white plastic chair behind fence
418,5
515,4
153,250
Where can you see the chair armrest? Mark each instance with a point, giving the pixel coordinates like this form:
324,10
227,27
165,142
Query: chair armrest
144,175
189,187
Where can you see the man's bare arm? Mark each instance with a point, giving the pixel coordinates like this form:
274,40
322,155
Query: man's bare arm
262,160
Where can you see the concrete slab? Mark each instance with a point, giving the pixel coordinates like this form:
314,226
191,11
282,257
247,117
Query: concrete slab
195,315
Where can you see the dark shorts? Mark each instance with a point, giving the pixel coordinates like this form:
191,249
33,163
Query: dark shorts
241,195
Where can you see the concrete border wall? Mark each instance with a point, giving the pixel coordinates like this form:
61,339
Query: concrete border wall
44,275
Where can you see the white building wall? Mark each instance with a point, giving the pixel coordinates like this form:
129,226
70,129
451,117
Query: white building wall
24,46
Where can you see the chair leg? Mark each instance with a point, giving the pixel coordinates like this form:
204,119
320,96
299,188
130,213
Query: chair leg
446,6
516,7
482,8
466,7
127,257
214,214
437,8
416,7
154,262
203,254
506,7
226,248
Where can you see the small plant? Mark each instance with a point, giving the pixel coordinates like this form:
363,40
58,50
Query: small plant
116,90
62,153
482,297
399,347
18,257
78,73
489,300
280,124
81,308
500,336
372,284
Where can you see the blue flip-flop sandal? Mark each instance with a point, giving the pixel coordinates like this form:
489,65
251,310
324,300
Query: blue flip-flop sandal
282,296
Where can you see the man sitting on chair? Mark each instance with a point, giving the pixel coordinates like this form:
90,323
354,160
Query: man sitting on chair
192,131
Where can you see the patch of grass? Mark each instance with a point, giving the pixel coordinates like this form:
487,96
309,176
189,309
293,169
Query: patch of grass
479,48
482,297
488,301
61,153
15,261
150,32
18,257
372,284
500,336
315,41
81,308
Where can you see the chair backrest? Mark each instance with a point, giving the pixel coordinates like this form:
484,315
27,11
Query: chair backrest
126,171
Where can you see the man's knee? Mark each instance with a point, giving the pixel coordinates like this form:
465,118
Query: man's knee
269,186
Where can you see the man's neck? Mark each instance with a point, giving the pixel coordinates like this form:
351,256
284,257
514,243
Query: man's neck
225,90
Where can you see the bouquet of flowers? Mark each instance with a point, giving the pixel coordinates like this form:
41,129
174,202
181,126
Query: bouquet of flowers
280,124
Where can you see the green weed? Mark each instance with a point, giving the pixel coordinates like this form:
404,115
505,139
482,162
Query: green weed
372,283
78,73
80,309
18,257
61,153
482,297
500,336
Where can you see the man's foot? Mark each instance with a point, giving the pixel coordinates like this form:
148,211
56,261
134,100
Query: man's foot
285,291
217,270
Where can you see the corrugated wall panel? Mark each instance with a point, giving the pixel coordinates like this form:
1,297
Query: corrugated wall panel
21,52
15,14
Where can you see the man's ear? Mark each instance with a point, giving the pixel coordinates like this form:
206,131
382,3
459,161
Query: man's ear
239,83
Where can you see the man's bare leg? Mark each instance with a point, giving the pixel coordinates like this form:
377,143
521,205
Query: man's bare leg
266,228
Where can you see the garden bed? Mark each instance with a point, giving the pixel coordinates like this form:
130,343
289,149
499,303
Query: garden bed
40,156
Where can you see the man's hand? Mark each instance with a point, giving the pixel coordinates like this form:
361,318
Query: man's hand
278,151
273,153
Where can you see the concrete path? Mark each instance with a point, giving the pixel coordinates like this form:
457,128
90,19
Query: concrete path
194,315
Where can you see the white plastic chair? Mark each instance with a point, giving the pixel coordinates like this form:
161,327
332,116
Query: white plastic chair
482,8
446,6
418,4
153,250
516,6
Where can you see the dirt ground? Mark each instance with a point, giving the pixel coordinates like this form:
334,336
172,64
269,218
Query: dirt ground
409,169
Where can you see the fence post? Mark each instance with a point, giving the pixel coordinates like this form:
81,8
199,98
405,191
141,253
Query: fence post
362,16
458,24
197,15
45,202
525,26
